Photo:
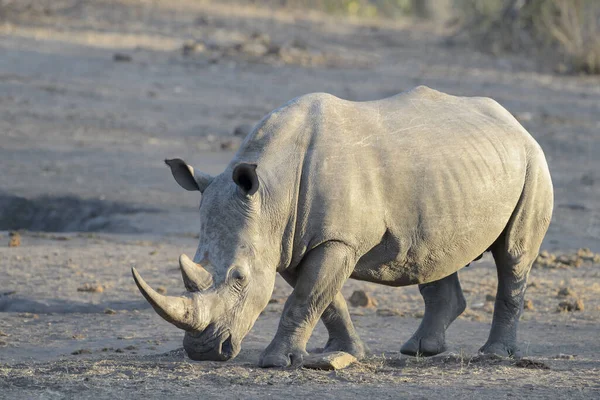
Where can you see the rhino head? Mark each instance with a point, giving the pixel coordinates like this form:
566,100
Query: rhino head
232,276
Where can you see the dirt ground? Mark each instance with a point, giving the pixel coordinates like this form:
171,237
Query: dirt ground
95,94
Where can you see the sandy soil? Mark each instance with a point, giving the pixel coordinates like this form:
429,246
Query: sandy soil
82,138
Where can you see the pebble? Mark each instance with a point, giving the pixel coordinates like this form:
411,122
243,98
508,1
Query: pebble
121,57
91,288
329,361
15,239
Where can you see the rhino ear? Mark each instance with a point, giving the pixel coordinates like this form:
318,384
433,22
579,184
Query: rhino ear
186,176
244,175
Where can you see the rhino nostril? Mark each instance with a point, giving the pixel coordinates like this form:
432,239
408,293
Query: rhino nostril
227,347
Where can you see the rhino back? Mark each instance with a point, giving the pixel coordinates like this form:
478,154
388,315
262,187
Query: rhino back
418,184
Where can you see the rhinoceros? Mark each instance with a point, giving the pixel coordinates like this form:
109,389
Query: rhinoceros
401,191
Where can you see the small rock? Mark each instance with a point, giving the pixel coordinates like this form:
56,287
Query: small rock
3,343
579,306
329,361
121,57
191,46
91,288
565,292
78,336
243,130
82,351
229,144
528,305
119,351
110,311
4,334
276,300
161,290
360,298
489,297
14,239
131,347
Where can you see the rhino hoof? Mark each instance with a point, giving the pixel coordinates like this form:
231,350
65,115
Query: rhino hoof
501,349
282,360
425,347
355,347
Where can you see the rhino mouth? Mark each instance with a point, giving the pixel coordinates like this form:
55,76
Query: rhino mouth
227,348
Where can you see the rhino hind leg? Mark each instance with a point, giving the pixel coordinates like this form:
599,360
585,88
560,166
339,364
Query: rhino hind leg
514,252
444,302
342,335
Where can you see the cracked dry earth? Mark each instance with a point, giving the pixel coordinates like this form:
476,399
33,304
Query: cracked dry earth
82,136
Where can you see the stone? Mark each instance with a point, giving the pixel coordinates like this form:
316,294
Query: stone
360,298
565,292
122,57
329,361
242,130
15,239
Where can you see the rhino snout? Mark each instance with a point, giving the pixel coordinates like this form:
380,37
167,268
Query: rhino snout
222,349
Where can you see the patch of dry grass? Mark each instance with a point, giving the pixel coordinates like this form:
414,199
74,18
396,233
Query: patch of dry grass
569,28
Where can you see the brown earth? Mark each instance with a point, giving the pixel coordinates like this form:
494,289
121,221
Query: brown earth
93,95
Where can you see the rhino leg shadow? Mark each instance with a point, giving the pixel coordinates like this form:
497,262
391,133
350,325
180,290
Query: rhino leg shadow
444,302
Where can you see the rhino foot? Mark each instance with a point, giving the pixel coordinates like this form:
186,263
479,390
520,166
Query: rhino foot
424,346
281,358
501,349
355,347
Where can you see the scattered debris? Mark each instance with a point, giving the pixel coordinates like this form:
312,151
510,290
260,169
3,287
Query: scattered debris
234,46
530,364
14,239
571,306
78,336
389,312
582,256
110,311
564,356
91,288
328,361
122,57
360,298
81,351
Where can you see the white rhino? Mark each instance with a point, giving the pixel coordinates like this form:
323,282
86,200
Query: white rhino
400,191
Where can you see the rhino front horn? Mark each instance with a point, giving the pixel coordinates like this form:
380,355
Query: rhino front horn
177,310
195,277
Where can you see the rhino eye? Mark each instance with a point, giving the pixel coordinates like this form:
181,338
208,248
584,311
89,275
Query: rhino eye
238,275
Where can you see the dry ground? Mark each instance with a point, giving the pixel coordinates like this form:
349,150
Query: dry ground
82,137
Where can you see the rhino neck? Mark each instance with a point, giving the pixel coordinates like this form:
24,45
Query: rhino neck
278,146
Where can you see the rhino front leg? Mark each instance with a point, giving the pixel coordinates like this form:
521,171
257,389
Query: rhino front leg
336,318
320,277
444,302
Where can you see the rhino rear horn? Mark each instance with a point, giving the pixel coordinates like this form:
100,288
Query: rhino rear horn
187,177
177,310
195,277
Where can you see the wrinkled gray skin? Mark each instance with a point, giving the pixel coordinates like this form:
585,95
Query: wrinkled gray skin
400,191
